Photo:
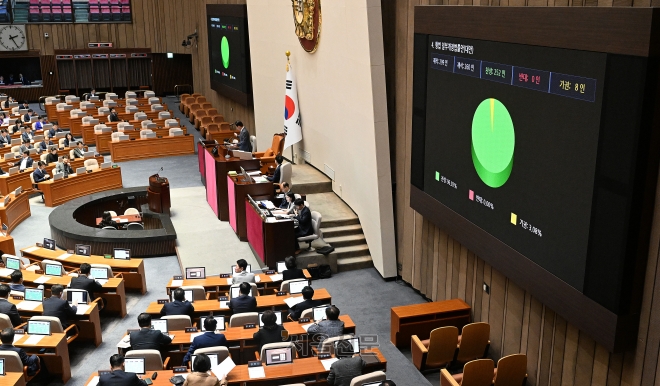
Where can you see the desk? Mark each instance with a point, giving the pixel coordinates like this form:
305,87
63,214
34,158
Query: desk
75,163
7,244
420,319
63,190
237,192
152,147
268,236
267,302
218,284
124,218
10,183
13,379
132,270
17,210
56,358
103,140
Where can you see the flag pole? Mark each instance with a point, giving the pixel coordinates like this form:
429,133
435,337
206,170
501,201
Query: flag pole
288,54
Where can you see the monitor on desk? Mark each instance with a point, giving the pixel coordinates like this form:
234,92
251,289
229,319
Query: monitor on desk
38,138
122,254
53,269
134,365
16,141
218,318
296,287
38,327
212,357
48,126
160,325
347,346
106,165
78,297
248,269
13,263
278,314
319,312
195,273
278,356
49,244
234,292
281,266
99,273
34,294
189,295
58,176
81,170
2,366
88,154
83,250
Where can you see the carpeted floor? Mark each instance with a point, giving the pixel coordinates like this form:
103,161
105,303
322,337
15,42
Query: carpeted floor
202,239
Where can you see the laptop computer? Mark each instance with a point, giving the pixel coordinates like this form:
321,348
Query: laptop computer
34,294
99,274
81,170
58,176
218,318
319,312
134,365
189,295
195,273
348,346
16,141
53,269
88,154
281,266
13,263
212,357
83,250
296,287
234,292
160,325
278,314
106,165
38,138
122,254
248,269
38,327
278,356
80,297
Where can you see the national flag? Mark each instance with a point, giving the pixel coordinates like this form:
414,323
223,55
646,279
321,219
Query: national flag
292,121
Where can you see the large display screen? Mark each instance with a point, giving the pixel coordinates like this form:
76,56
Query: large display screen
229,58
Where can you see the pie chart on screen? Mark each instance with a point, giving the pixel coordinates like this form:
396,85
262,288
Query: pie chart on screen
224,51
493,142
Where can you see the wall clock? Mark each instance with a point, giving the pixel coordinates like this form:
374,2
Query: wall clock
307,20
13,38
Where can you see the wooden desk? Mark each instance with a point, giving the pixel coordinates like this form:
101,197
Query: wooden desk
56,357
63,190
128,218
152,147
7,245
12,379
420,319
10,183
218,284
75,163
237,192
268,236
132,270
103,140
17,210
267,302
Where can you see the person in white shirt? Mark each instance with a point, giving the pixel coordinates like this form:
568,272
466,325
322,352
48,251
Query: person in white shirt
240,273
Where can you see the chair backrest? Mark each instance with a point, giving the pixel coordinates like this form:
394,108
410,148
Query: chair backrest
91,164
175,131
308,313
171,123
145,123
212,112
152,359
371,377
149,94
43,157
328,345
135,226
285,284
114,137
442,346
60,142
131,101
218,119
285,172
164,115
316,223
238,320
130,94
12,361
5,322
131,109
474,340
205,121
67,290
478,373
200,99
253,292
199,293
55,324
112,213
221,351
156,106
103,111
177,322
106,266
253,142
24,260
131,211
511,370
270,346
16,149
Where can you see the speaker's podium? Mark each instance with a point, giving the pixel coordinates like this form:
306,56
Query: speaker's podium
158,194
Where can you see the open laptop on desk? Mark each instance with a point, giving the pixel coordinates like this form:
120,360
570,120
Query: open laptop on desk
53,269
13,263
99,274
189,295
278,314
278,356
122,254
219,319
195,273
161,325
134,365
281,266
78,297
296,287
38,327
83,250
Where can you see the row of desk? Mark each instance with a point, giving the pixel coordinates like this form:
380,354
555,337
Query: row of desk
221,284
142,148
65,189
103,140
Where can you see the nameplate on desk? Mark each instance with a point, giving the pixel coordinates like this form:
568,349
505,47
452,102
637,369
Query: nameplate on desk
304,320
281,293
104,372
249,325
128,332
324,356
270,272
255,364
20,331
179,369
223,299
163,301
191,329
71,251
40,245
39,271
178,277
224,275
17,297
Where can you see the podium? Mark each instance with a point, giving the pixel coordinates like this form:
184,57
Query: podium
158,194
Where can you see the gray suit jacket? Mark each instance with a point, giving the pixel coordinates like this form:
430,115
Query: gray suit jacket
244,140
344,370
60,168
243,277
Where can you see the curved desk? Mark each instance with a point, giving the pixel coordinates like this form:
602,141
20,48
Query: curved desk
63,190
17,210
152,147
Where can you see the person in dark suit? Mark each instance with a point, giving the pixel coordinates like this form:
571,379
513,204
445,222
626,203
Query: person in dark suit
348,366
106,219
308,294
278,174
207,339
79,151
52,132
292,272
16,281
24,163
39,174
25,146
52,156
90,95
271,332
58,307
119,377
4,137
113,116
69,141
304,218
22,80
8,308
27,134
243,137
26,117
244,302
45,144
180,306
147,338
84,282
285,188
32,361
10,80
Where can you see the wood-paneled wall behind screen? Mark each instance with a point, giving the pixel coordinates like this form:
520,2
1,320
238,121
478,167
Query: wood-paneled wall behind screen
441,268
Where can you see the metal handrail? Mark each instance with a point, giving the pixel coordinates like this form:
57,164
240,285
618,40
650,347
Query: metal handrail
185,86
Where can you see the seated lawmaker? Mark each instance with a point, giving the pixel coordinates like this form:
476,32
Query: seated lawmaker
148,338
58,307
8,308
241,274
90,95
200,375
304,218
85,282
328,328
308,294
16,281
244,302
208,339
69,141
32,361
348,366
64,166
106,220
4,137
52,132
45,144
292,271
113,116
118,376
286,207
278,173
271,332
27,134
39,124
79,151
180,306
52,155
39,174
24,163
25,146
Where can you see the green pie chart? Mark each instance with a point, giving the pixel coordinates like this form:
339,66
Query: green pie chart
224,51
493,142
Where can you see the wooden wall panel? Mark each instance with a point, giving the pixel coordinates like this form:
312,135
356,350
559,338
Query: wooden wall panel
558,354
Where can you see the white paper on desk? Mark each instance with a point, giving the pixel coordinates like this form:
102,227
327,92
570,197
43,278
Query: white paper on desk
124,343
177,283
195,335
268,204
123,220
257,279
293,301
260,179
328,362
31,249
64,256
306,326
230,281
276,277
223,368
94,381
17,337
257,173
27,305
171,336
34,339
5,271
41,280
82,308
224,304
256,372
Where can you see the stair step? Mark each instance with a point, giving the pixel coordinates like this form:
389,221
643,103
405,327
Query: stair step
345,241
313,187
353,263
342,252
339,222
342,230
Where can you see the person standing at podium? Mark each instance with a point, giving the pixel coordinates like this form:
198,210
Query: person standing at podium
243,138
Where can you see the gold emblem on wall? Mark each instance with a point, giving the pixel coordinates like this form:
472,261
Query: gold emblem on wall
307,19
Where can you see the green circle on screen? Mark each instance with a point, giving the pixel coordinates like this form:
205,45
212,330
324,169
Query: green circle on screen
493,142
224,51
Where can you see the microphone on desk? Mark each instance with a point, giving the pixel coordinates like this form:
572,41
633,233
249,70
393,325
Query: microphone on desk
158,175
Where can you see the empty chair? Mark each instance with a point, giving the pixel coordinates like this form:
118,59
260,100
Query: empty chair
473,342
253,292
192,108
438,351
145,123
511,370
218,119
134,226
131,109
270,346
131,101
157,107
475,373
91,164
111,96
367,378
103,111
285,284
316,225
164,115
253,141
152,100
199,293
152,359
149,94
239,320
56,327
130,94
267,157
203,122
114,137
109,103
169,123
177,322
131,211
286,172
140,116
87,119
175,131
